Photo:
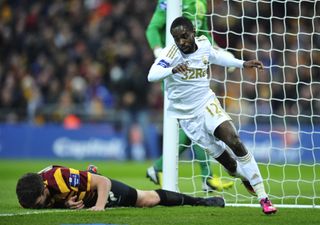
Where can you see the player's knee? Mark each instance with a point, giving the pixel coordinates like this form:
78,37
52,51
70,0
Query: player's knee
236,145
234,142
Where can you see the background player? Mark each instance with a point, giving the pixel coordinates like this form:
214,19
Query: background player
184,66
62,187
195,10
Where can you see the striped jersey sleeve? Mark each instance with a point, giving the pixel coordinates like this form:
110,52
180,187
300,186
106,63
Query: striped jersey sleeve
172,51
64,183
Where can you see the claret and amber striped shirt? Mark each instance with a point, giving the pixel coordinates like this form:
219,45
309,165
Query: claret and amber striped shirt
63,183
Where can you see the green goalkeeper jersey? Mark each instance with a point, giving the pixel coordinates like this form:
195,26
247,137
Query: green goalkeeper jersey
195,10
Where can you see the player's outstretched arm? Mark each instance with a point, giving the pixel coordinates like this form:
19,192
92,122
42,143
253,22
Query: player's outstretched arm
103,186
253,64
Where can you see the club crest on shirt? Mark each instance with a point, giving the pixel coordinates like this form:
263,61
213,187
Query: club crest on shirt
205,60
74,180
163,63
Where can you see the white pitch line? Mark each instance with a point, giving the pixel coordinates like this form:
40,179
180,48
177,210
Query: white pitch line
49,211
33,212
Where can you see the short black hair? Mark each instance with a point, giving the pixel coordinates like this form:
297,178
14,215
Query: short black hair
29,187
182,21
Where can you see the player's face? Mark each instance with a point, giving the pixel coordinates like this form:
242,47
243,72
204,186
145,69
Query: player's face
184,39
44,200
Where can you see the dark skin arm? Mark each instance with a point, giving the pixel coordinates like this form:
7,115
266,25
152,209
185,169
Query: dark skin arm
253,64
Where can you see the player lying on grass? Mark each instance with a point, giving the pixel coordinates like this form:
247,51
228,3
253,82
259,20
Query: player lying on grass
183,67
62,187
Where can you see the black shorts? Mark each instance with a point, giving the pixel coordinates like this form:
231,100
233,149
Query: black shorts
121,195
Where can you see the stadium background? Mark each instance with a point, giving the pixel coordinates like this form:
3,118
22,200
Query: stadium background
73,84
65,64
73,73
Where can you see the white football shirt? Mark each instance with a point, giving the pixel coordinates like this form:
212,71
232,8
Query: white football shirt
189,92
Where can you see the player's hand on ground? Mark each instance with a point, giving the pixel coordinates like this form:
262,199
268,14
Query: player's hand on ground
253,64
180,68
72,203
96,208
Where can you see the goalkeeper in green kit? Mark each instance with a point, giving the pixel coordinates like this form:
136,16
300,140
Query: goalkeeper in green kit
196,11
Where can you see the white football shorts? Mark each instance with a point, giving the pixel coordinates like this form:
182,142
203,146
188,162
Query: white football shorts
200,129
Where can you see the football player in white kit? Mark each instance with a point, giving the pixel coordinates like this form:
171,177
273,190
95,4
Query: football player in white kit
183,67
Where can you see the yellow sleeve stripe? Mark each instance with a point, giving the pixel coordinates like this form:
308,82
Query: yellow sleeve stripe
81,196
73,171
89,182
60,181
173,50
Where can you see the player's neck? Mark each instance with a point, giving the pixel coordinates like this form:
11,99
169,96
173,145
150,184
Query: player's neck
194,49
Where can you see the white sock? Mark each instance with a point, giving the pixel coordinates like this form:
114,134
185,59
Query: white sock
250,169
239,173
260,191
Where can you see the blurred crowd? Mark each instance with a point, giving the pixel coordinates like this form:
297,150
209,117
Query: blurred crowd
286,38
86,58
90,58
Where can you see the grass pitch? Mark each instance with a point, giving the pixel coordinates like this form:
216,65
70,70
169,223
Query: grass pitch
133,173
